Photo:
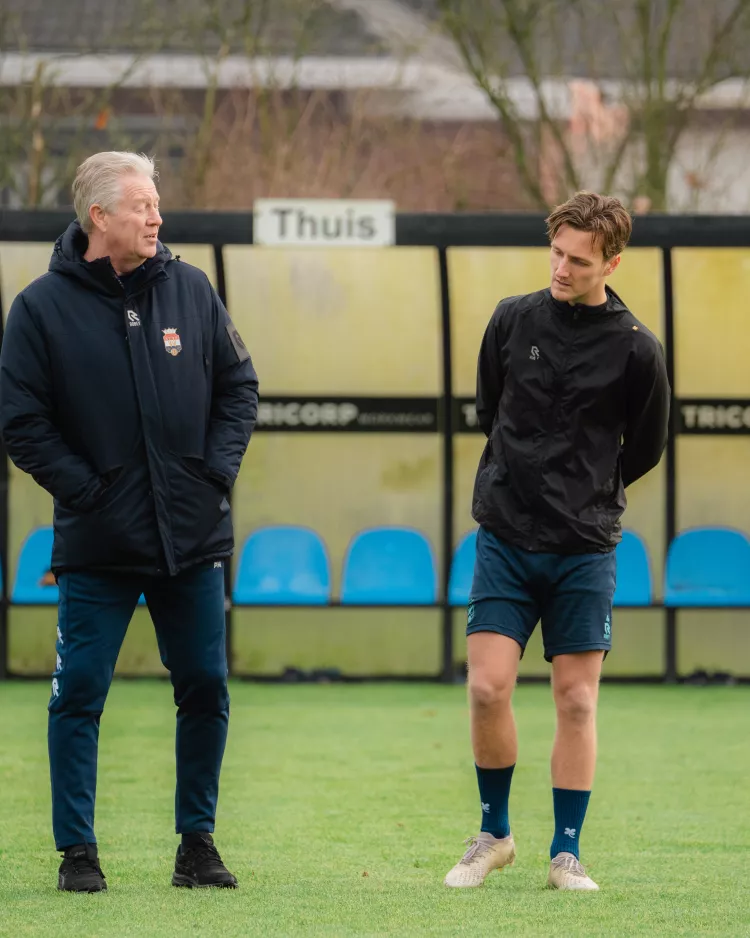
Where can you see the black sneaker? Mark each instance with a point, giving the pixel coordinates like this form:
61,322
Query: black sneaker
198,864
80,870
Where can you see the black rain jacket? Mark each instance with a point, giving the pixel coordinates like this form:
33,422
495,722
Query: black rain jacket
574,401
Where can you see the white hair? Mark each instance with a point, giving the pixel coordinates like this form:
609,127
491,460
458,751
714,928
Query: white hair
97,181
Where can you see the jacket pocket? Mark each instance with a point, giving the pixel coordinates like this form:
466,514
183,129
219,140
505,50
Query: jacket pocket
119,529
613,493
491,486
112,490
498,464
198,504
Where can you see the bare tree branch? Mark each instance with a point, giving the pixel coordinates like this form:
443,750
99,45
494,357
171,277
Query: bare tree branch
663,55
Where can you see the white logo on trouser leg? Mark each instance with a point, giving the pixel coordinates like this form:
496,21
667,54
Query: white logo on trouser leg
59,636
58,664
55,688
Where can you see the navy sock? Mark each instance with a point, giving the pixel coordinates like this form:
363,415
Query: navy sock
570,810
494,790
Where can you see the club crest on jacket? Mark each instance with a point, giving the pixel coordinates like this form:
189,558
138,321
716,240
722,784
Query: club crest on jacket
172,341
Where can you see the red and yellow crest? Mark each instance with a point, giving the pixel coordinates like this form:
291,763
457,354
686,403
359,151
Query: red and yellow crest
172,341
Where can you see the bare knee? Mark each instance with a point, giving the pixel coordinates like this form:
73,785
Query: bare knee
489,693
576,702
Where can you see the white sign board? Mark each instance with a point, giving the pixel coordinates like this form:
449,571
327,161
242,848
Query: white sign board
324,222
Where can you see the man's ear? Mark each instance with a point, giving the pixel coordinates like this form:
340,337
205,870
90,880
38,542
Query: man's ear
98,217
612,265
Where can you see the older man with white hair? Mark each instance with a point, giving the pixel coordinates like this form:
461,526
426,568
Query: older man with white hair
128,394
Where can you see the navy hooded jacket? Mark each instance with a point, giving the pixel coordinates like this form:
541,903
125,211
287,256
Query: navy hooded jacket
132,402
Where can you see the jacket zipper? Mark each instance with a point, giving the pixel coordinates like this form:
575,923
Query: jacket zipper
555,416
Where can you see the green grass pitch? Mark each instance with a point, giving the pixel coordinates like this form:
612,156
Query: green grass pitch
342,807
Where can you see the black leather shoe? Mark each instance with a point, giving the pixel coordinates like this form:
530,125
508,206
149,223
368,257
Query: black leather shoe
198,864
80,870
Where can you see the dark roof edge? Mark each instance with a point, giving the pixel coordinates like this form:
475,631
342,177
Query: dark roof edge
437,229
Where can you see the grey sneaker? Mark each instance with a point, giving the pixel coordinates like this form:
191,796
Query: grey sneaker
485,854
566,872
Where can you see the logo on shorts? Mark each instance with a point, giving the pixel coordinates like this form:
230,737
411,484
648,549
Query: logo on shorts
470,615
607,628
172,341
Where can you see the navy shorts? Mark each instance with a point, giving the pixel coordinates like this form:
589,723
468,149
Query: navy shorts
571,593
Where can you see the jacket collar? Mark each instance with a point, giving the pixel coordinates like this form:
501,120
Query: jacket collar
613,307
99,275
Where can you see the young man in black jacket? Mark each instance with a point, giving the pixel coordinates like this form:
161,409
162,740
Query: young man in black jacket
127,393
573,397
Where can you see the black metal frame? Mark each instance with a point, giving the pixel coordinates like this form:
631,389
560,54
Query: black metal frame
670,457
440,231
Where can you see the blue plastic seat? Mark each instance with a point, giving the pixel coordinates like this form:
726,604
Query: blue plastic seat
462,571
389,567
283,566
634,587
33,563
708,567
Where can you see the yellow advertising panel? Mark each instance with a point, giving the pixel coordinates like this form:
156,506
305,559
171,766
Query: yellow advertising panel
356,642
339,321
712,338
479,278
19,265
713,640
712,482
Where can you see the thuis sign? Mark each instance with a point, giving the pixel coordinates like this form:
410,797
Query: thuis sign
324,222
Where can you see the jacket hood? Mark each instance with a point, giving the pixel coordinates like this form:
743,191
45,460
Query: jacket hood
99,275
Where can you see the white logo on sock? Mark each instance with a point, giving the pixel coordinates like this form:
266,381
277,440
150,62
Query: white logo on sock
570,832
485,807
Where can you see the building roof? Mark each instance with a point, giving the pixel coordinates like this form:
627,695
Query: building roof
601,41
274,27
